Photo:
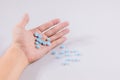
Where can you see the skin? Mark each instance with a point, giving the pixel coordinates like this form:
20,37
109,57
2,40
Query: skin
22,51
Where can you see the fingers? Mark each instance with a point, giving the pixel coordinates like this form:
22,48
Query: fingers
57,42
48,25
24,21
56,29
59,35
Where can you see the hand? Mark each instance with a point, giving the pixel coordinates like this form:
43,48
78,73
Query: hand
25,40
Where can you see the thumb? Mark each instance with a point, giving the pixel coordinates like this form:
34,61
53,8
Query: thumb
24,21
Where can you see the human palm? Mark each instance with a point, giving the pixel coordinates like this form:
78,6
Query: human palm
26,41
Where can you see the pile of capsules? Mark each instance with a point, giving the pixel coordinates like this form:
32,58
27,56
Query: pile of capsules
39,41
67,56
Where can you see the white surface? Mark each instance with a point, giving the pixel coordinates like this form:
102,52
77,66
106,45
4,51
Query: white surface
95,29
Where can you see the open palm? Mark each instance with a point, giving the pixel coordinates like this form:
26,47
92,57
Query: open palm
26,41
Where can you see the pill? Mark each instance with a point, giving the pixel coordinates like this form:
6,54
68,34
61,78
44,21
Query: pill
48,39
39,40
53,52
36,34
39,36
62,52
77,54
62,46
76,51
48,43
37,46
44,43
67,54
66,51
37,43
58,57
67,59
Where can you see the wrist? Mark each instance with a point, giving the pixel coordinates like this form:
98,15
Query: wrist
14,61
19,54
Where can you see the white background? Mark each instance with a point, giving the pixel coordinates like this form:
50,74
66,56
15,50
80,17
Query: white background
95,31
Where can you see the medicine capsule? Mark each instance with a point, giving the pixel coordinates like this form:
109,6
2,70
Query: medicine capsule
53,52
67,54
77,54
36,34
37,43
37,46
58,57
62,52
44,43
48,39
39,40
62,46
67,59
66,51
48,43
39,36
